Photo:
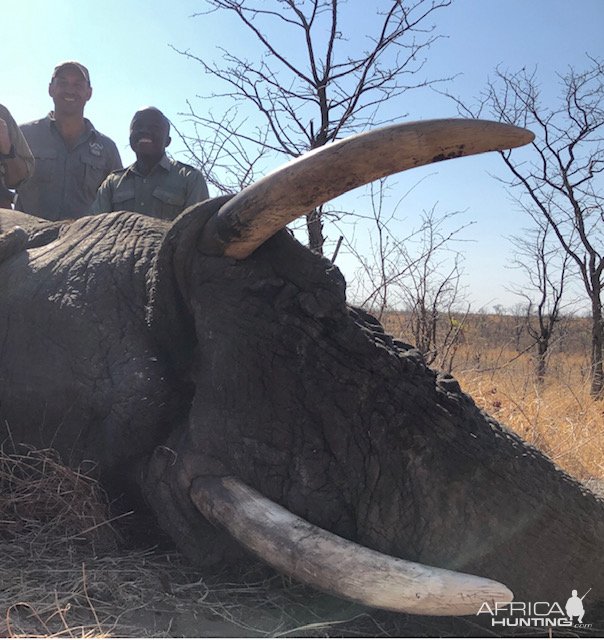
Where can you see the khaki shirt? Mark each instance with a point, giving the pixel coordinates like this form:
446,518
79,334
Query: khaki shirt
65,180
169,189
18,140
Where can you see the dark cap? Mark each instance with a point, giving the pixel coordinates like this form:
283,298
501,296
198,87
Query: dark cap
71,63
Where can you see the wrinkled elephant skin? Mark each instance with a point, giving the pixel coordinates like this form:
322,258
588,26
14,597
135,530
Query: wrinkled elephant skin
170,359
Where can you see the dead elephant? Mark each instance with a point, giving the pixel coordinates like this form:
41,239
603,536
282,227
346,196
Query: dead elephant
213,365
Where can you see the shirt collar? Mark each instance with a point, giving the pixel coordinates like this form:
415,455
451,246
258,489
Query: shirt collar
164,163
89,127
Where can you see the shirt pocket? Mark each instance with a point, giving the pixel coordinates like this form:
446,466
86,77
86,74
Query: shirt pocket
46,166
94,172
171,198
121,195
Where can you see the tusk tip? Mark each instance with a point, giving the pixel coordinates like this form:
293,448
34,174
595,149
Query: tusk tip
332,564
525,136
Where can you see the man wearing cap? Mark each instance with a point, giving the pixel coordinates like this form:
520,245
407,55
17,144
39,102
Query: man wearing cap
72,157
16,160
155,184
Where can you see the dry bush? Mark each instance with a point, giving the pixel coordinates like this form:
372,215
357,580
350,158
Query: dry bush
559,417
66,573
494,364
44,503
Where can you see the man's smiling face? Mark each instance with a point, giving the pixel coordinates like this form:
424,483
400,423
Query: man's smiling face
149,134
70,91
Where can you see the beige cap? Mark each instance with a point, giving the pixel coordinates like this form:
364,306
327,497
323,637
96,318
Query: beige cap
71,63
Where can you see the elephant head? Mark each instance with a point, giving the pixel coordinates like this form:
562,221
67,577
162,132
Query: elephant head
230,381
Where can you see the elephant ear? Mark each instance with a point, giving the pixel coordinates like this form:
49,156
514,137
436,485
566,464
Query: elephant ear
168,312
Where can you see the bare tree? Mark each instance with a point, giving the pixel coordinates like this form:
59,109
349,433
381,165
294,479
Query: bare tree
562,181
546,270
314,83
228,163
432,293
419,274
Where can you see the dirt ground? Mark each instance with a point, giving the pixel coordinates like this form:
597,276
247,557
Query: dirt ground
73,593
156,594
68,570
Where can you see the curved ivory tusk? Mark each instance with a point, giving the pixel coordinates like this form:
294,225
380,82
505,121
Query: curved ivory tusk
266,206
330,563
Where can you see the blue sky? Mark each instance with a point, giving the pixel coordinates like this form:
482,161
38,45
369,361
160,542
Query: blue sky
126,46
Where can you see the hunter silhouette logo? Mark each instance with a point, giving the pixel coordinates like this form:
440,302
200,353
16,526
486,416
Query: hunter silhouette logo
537,614
574,606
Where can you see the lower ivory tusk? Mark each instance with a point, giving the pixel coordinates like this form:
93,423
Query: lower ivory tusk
332,564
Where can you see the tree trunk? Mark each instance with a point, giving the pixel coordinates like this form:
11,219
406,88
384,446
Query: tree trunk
314,225
541,364
597,344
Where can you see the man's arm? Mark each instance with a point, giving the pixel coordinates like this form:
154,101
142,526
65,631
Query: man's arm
15,156
197,188
103,203
114,160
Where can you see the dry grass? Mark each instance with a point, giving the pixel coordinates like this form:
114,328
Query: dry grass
44,504
494,364
66,573
559,417
51,516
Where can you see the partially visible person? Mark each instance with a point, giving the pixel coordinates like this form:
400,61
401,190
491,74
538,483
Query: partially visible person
72,157
16,160
155,184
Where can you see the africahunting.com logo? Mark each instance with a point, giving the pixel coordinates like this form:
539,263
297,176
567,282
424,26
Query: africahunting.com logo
537,614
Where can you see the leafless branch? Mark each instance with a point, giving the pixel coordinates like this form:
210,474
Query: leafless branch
561,182
320,85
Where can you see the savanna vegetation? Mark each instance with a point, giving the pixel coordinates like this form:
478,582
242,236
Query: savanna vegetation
495,359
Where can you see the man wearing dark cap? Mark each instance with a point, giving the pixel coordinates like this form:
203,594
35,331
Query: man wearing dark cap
155,184
72,157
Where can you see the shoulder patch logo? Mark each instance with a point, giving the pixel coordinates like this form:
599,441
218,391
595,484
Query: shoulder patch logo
96,148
